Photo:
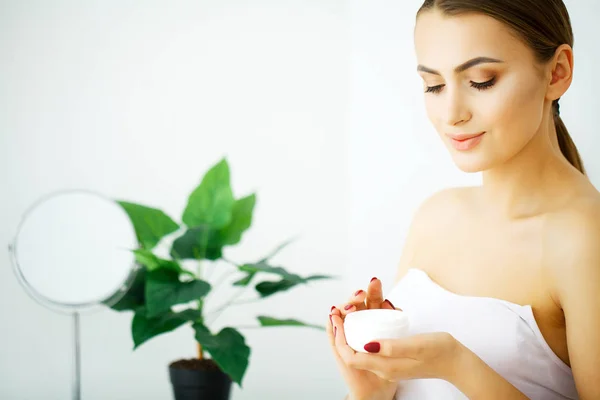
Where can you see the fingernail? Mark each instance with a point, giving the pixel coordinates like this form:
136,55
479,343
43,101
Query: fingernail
334,331
372,347
349,306
390,303
358,292
372,279
332,308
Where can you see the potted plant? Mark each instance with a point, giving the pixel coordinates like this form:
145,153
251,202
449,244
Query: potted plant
212,220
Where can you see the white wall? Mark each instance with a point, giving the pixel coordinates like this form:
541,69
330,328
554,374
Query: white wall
395,156
136,99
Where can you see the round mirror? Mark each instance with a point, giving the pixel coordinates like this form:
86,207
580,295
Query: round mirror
73,251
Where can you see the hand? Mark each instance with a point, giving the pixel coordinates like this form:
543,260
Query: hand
428,355
363,384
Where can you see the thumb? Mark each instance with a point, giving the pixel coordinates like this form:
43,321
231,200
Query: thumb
407,347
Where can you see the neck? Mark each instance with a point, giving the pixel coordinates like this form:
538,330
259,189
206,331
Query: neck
528,183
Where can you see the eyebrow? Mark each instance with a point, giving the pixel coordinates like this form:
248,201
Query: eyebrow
463,67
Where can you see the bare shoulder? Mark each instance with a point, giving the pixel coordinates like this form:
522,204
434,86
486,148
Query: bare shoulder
573,227
437,211
442,206
572,244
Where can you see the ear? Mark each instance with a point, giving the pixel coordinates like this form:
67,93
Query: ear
560,72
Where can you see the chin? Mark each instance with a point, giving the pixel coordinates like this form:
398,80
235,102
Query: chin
470,163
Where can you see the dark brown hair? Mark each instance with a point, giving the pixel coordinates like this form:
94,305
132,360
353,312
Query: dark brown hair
543,25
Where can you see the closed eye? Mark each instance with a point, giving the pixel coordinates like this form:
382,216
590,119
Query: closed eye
476,85
434,89
484,85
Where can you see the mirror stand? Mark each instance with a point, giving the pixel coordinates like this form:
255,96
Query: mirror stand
72,253
76,357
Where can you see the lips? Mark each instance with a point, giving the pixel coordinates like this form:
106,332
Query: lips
464,136
465,141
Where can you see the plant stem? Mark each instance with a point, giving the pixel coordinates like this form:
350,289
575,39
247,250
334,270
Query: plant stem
230,262
230,302
200,306
222,278
235,303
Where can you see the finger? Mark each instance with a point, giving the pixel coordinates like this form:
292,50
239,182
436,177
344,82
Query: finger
350,357
408,347
358,299
356,302
338,360
391,369
374,294
346,309
388,305
340,336
329,328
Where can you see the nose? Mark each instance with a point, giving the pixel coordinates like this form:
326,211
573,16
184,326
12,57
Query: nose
457,109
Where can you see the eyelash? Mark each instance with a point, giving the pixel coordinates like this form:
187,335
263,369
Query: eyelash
476,85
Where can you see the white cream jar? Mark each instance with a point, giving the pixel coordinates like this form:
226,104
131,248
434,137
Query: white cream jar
362,327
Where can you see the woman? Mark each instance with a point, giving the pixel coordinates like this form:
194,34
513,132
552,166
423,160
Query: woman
501,282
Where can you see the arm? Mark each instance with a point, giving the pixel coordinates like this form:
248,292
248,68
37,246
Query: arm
575,266
477,380
577,282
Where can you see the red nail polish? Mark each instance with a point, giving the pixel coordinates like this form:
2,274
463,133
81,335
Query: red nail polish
332,308
330,319
334,331
372,279
349,306
358,292
390,303
372,347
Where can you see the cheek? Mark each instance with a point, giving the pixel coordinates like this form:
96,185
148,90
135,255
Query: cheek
513,112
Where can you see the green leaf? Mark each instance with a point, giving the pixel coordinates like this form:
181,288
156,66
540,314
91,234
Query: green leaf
262,266
245,281
266,268
164,290
241,220
318,277
228,349
270,321
153,262
198,243
212,201
268,288
150,224
144,328
134,298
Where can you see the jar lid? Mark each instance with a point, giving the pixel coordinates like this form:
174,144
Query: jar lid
382,318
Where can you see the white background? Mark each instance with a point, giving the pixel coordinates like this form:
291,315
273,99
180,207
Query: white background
318,108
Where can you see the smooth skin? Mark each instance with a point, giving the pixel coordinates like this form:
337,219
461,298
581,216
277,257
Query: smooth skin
529,235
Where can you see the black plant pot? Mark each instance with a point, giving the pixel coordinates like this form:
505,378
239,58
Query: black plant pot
199,380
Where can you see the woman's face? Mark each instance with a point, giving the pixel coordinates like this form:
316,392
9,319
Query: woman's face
479,79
